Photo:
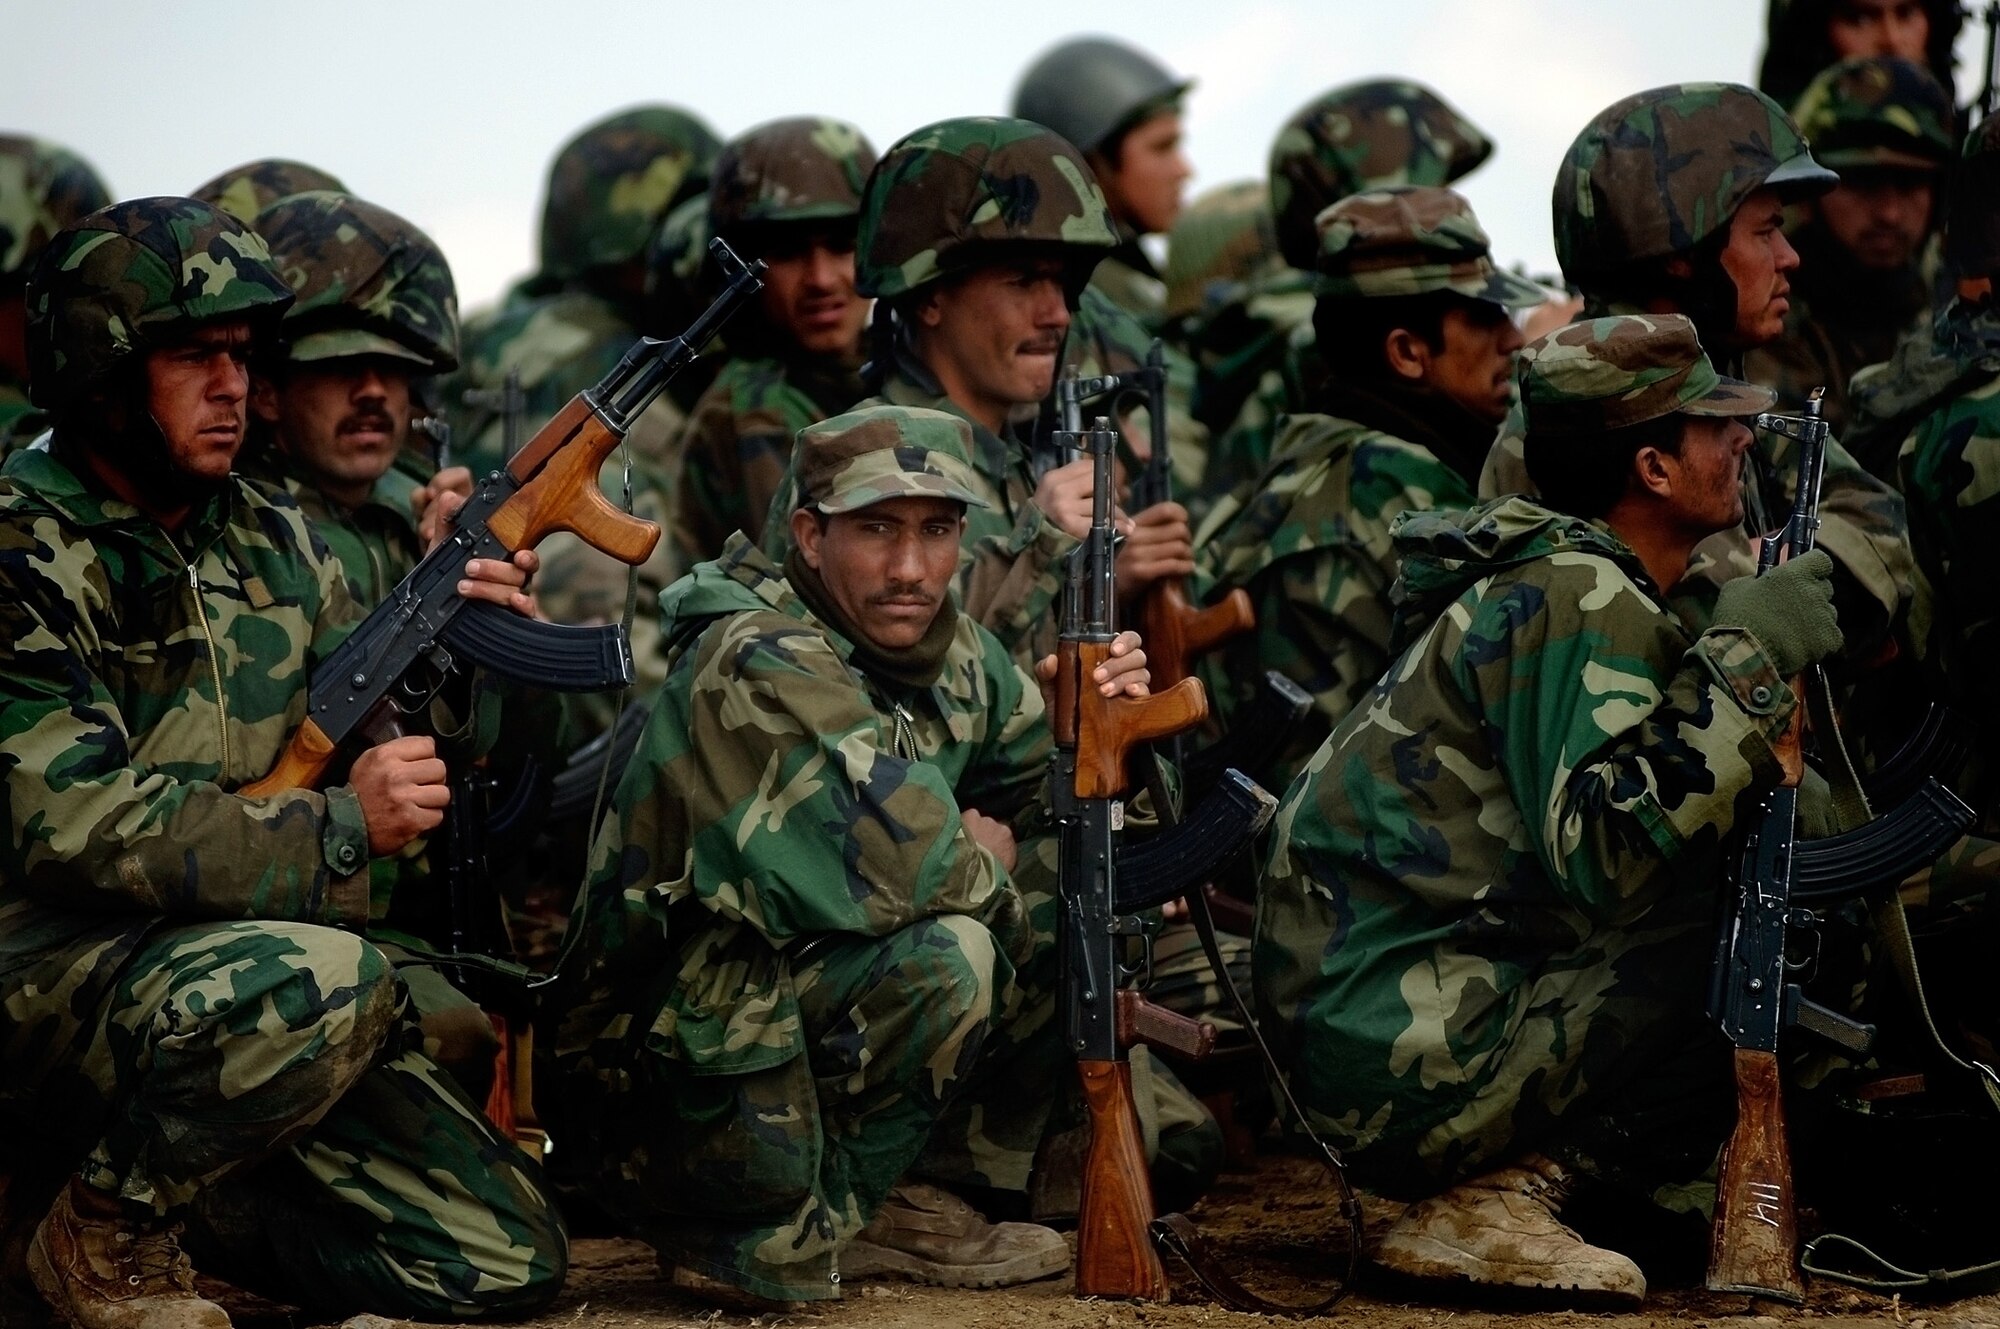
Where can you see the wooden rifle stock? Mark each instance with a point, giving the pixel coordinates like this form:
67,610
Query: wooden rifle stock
1105,729
1754,1245
302,765
1176,632
1114,1253
559,490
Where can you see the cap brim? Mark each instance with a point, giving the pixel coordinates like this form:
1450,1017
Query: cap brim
869,495
1733,397
1885,159
1512,291
341,343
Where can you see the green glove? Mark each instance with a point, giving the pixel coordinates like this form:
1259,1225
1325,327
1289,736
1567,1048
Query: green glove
1817,816
1789,610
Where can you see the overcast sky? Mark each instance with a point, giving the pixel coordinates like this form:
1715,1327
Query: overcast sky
448,112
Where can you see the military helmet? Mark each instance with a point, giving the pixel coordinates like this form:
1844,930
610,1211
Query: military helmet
366,281
43,188
809,169
1089,89
1660,171
1220,244
1877,112
611,184
950,192
134,275
250,188
1364,136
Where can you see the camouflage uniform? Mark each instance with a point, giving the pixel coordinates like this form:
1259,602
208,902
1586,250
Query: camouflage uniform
185,1012
1309,538
1368,135
250,188
1864,118
43,188
790,177
1487,918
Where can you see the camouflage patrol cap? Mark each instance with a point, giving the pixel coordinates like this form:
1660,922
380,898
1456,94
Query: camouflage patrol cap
1219,245
1089,89
1877,112
43,188
1413,240
1608,373
367,282
809,169
611,184
1364,136
1660,171
134,275
948,193
250,188
883,452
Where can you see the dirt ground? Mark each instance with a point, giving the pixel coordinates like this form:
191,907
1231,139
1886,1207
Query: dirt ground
1273,1227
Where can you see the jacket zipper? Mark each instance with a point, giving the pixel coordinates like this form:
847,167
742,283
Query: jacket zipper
906,739
214,659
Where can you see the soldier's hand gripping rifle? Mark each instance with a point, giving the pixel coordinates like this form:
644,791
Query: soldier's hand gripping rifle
401,653
1755,991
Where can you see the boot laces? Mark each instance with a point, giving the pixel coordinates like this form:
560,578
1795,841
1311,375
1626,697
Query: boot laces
153,1255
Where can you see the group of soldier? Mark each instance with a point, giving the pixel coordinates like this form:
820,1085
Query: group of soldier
803,1025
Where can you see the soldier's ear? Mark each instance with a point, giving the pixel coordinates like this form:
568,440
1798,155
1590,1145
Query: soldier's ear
1651,472
806,533
264,398
1407,355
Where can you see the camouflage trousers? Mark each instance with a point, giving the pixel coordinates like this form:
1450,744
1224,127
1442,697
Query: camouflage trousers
263,1082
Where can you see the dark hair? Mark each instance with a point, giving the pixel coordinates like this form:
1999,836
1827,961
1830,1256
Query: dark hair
1350,331
1707,295
1586,474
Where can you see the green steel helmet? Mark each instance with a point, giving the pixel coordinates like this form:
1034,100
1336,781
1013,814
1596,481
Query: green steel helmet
135,275
1877,113
1091,89
1658,172
808,169
254,186
1364,136
611,184
676,257
953,191
1220,245
43,188
366,282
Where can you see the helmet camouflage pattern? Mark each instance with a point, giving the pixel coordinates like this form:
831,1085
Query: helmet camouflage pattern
611,184
43,188
952,190
366,282
254,186
137,274
1413,240
1877,112
676,257
1089,89
1219,245
800,170
1364,136
1660,171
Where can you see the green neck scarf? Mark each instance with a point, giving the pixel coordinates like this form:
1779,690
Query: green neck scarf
915,666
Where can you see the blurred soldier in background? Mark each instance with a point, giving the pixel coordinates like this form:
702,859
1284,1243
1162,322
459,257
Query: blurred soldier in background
250,188
43,188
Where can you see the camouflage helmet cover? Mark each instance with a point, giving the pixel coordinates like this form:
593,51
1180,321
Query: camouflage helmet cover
799,170
1877,112
1220,244
1658,172
611,184
367,282
250,188
1413,240
883,452
43,188
1608,373
1364,136
953,190
1090,88
134,274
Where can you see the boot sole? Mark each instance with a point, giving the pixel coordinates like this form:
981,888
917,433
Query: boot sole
1447,1268
867,1260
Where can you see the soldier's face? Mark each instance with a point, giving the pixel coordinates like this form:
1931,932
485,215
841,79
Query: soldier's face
1144,188
340,421
1880,217
196,392
1760,261
888,566
993,336
1474,366
809,292
1879,27
1707,476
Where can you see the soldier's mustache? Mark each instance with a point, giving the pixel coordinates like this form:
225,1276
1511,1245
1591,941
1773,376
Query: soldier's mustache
354,424
913,593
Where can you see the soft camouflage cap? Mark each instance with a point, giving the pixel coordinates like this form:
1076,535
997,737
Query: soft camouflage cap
1364,136
1220,243
367,282
1089,89
611,184
1877,112
958,187
1658,172
809,169
134,275
43,188
254,186
1412,241
883,452
1607,373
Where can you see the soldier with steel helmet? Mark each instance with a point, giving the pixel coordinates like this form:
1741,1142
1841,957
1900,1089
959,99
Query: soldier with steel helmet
43,188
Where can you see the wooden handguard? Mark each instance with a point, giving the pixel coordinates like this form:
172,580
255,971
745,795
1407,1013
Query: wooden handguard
565,496
1754,1244
300,766
1105,729
1176,632
1140,1021
1114,1254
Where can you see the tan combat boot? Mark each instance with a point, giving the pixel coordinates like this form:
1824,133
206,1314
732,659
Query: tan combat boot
99,1270
928,1235
1500,1232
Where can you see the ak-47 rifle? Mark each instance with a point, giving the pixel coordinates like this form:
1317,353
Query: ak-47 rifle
1754,991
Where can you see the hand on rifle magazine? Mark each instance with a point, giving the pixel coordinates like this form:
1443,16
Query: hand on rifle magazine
1159,546
1124,672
